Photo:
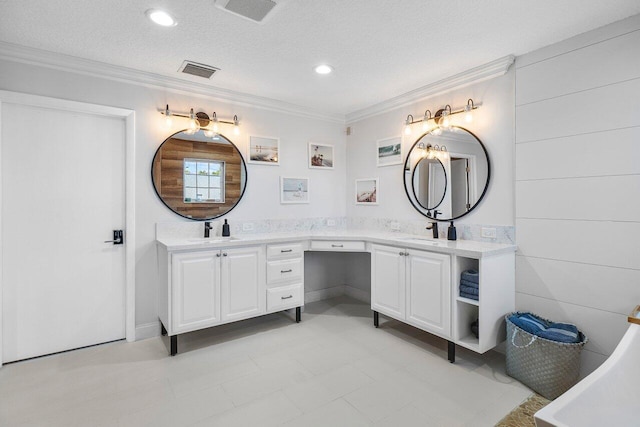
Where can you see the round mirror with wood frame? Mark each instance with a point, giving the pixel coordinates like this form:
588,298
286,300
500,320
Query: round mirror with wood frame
199,177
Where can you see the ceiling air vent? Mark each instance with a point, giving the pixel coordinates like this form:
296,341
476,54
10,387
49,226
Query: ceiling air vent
200,70
255,10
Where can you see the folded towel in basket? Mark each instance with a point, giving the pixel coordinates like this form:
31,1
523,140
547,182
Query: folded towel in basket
469,284
561,332
469,290
470,296
470,275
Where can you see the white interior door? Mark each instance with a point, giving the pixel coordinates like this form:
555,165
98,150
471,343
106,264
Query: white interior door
63,195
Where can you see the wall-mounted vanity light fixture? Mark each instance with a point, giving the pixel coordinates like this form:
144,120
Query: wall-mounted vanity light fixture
441,119
200,120
433,151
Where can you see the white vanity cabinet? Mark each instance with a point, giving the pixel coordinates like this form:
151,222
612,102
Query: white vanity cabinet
204,288
412,286
421,288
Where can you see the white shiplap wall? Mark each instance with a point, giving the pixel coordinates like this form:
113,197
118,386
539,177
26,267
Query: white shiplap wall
578,183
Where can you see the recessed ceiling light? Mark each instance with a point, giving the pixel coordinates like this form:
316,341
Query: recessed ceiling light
323,69
161,17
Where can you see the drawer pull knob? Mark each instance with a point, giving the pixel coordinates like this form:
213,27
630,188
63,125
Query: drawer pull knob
290,296
337,246
286,271
286,250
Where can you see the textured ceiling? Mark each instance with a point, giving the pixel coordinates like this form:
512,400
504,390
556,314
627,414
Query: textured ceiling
379,48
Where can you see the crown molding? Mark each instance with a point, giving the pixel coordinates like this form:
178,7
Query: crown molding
38,57
58,61
487,71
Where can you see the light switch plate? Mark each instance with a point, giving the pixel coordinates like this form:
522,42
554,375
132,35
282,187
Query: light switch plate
489,233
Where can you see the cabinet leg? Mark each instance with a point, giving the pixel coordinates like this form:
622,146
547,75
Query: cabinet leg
163,331
376,319
174,345
298,314
452,352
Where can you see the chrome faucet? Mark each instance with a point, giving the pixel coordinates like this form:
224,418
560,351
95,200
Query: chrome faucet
434,224
207,227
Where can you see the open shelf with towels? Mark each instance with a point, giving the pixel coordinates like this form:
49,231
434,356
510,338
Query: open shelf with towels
496,297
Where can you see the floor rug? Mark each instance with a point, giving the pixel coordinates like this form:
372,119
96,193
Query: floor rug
522,416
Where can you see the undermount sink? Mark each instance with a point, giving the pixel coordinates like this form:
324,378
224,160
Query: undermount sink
424,240
209,240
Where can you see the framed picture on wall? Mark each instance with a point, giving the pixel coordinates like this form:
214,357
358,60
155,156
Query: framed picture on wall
367,191
389,151
320,156
294,190
264,150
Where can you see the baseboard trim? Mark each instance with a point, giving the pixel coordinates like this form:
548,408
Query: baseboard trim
147,330
356,293
313,296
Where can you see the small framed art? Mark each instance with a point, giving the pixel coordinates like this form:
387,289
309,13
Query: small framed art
320,156
367,191
294,190
264,150
389,151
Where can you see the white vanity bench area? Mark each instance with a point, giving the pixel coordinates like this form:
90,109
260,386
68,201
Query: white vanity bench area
209,282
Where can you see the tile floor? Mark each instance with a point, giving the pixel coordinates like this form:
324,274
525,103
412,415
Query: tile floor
333,369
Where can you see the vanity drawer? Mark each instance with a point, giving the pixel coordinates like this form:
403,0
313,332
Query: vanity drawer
284,297
337,245
284,270
287,250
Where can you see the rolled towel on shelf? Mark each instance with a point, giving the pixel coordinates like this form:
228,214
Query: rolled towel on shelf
468,296
468,283
469,290
470,276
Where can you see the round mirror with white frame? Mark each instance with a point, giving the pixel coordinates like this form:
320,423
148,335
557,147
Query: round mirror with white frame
455,188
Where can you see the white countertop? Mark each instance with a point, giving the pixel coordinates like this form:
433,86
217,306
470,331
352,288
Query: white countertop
466,248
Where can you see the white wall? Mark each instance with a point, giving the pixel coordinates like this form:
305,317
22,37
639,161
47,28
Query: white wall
578,183
493,124
262,197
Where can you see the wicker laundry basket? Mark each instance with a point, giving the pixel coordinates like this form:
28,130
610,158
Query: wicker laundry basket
548,367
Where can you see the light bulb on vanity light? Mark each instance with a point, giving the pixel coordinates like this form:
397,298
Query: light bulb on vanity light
167,117
194,124
445,119
407,125
468,111
214,121
236,125
425,121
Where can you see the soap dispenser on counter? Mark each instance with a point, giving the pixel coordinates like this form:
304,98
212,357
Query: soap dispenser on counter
451,232
226,232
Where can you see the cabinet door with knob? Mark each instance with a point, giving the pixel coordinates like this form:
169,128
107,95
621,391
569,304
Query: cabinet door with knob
195,290
387,280
242,283
429,291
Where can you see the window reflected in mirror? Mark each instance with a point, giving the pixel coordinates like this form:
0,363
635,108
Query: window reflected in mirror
203,181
